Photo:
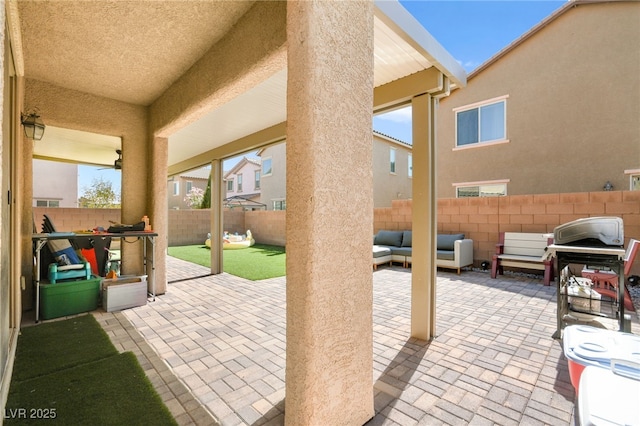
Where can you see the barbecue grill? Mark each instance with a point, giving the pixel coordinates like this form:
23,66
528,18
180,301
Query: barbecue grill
593,241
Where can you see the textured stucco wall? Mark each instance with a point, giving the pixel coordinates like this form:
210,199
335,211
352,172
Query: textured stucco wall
329,282
572,111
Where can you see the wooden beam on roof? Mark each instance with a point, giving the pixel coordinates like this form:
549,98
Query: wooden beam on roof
254,141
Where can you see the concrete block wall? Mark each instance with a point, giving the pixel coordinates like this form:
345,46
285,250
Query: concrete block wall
480,219
74,219
188,227
267,227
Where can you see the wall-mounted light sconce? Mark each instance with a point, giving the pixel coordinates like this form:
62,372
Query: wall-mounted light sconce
33,126
608,186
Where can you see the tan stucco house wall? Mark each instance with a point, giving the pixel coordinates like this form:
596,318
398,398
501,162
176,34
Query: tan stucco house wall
572,92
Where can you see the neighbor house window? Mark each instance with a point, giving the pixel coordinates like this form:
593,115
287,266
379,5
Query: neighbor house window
410,165
485,189
47,203
230,185
239,184
176,188
279,204
634,179
257,182
267,169
481,122
392,160
189,186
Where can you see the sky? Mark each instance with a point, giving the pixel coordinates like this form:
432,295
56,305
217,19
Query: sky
471,31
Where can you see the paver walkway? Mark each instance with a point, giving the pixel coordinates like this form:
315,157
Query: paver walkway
493,360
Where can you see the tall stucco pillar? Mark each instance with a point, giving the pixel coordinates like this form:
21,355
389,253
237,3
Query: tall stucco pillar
158,212
424,226
216,216
136,170
329,378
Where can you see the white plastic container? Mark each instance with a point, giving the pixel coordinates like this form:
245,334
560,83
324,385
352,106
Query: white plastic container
124,292
607,397
585,346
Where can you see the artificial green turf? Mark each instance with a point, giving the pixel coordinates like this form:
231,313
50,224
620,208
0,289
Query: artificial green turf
67,372
110,391
54,346
257,262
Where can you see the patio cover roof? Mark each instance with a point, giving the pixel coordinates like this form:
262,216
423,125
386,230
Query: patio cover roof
135,51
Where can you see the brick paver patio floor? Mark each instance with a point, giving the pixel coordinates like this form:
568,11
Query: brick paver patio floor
215,348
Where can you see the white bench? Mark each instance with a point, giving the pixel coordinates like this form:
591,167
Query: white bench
523,250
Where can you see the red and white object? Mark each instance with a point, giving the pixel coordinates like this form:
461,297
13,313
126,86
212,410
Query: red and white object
585,346
608,397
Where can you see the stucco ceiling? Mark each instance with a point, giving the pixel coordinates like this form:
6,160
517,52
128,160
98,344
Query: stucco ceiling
133,51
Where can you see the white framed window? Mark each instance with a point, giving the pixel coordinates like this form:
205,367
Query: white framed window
280,204
481,122
176,188
410,165
230,185
634,179
392,160
239,184
267,166
189,186
47,203
256,184
496,188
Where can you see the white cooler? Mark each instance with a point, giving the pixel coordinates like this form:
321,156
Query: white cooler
607,397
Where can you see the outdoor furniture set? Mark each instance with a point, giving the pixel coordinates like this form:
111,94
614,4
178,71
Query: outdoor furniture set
453,251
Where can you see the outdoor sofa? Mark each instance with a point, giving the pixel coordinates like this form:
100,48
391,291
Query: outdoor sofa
453,250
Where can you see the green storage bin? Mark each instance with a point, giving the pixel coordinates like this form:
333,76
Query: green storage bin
69,298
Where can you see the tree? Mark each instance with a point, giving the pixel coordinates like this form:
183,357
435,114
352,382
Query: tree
194,198
206,199
100,195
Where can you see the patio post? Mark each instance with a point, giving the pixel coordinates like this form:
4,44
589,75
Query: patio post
217,216
329,216
423,273
159,156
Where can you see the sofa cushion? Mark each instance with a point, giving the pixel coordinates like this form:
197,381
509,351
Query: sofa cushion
446,242
380,251
445,254
388,238
401,251
406,238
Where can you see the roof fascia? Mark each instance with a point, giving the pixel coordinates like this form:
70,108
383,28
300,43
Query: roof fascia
406,26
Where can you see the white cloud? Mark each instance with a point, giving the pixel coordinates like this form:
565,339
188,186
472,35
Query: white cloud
402,115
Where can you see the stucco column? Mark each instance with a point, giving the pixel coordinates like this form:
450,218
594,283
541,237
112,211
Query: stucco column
217,216
424,226
329,218
158,212
134,195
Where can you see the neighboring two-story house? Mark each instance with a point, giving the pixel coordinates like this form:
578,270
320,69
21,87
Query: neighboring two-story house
392,170
557,111
179,186
244,179
55,184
